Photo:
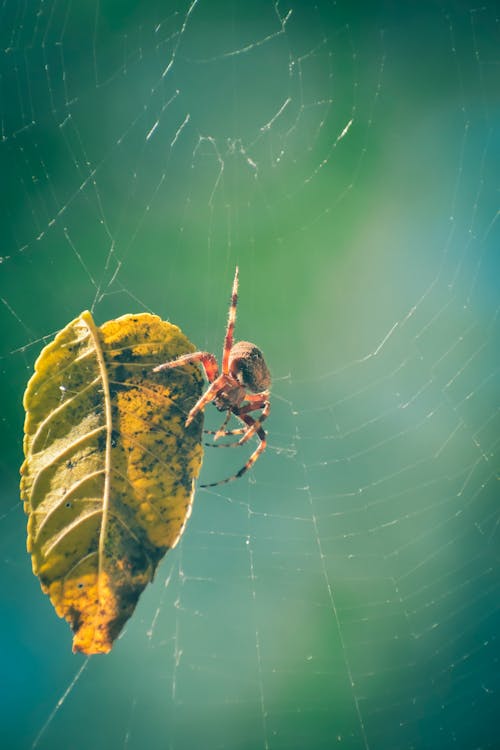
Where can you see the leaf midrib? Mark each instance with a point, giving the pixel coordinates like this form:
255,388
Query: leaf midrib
94,333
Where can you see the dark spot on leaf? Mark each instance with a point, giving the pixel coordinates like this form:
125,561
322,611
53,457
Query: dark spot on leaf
74,617
126,355
117,387
101,442
120,373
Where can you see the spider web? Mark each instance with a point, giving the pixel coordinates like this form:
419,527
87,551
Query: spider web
346,591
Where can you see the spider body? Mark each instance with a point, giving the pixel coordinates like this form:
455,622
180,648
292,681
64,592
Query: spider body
248,367
241,388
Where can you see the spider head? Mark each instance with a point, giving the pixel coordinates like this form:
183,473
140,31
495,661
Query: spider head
248,367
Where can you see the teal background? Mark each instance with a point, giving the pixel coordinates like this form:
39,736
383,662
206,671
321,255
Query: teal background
346,157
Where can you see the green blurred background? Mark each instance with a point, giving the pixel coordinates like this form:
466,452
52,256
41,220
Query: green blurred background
346,156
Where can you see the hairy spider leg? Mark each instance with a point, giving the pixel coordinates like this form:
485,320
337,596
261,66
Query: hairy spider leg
250,422
205,358
224,433
253,401
209,395
221,431
257,401
248,432
228,340
266,408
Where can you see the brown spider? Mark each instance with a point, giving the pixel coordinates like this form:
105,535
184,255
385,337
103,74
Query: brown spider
242,387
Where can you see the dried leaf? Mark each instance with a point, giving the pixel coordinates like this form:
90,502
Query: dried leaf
108,476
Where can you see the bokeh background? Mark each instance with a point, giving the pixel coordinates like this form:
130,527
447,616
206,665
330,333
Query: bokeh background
346,156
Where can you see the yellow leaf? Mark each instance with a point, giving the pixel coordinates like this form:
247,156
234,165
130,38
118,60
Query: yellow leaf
109,470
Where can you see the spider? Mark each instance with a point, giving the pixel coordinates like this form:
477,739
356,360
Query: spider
241,388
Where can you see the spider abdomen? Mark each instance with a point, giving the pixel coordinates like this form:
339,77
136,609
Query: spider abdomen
248,367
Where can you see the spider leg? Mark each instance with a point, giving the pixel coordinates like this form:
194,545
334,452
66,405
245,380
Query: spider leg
257,401
221,429
225,433
257,398
228,341
206,359
254,428
234,444
221,432
248,432
209,395
250,422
